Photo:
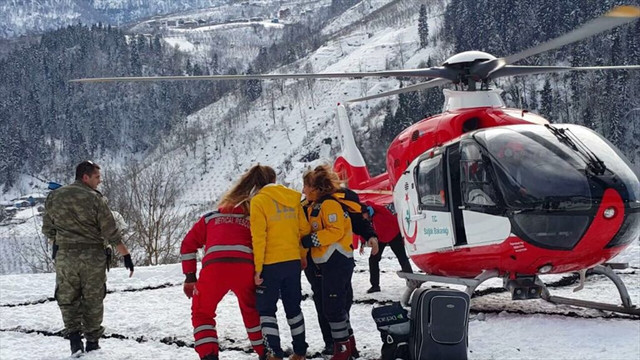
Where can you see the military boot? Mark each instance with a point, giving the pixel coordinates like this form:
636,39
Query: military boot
341,350
75,339
92,345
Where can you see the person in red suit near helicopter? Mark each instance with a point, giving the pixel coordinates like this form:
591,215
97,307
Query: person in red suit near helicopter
227,265
386,226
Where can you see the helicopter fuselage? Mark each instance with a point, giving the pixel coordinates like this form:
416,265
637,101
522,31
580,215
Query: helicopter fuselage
495,189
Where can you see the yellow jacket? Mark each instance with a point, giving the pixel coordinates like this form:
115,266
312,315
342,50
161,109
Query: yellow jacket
331,230
277,224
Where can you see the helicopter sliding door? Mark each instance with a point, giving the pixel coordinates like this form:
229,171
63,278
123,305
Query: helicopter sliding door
476,207
433,219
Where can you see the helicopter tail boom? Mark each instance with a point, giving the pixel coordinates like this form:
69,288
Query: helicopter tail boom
350,164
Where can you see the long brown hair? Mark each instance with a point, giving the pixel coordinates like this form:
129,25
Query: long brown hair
323,180
250,183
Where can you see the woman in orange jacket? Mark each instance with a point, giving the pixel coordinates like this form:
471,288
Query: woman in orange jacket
331,250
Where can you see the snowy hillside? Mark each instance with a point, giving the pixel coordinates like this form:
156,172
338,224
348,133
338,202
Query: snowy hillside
30,16
148,317
288,125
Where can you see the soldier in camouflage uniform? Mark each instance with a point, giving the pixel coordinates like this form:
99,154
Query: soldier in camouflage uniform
78,219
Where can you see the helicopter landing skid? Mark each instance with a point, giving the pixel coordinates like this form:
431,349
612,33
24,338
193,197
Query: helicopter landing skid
625,308
414,281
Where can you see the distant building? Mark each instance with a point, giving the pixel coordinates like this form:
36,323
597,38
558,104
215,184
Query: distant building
284,13
190,24
21,204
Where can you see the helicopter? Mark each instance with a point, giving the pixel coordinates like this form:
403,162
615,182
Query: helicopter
483,191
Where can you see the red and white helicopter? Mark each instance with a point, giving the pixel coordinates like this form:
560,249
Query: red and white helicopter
483,191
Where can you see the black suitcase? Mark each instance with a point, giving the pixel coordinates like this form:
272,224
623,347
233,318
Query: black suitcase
439,324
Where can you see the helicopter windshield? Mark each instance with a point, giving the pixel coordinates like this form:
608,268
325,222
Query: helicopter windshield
534,170
612,158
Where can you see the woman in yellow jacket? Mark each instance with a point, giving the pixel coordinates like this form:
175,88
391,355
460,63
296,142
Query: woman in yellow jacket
331,250
277,224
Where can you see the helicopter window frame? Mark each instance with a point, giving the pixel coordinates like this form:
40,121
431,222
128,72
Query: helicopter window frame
484,182
434,172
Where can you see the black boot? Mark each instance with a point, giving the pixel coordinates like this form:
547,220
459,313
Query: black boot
328,349
211,356
75,339
92,345
373,289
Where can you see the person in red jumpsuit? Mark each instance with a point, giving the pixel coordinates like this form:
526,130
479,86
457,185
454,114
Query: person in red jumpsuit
386,226
227,265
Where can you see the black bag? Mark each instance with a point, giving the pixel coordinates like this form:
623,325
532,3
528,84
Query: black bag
393,323
439,324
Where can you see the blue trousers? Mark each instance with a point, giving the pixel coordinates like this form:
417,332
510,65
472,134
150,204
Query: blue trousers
281,281
337,294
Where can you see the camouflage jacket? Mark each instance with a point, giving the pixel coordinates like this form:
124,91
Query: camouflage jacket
77,214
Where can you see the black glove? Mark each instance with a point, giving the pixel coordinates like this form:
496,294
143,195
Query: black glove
309,241
107,253
54,251
128,263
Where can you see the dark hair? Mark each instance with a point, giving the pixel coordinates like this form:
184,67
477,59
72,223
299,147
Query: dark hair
87,167
250,182
324,181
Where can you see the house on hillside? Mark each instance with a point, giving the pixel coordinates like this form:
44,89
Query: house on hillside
34,198
21,204
284,13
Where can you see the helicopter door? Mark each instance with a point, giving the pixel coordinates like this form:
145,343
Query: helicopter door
432,219
477,210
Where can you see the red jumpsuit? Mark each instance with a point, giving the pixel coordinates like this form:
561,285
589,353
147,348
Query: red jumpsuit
226,265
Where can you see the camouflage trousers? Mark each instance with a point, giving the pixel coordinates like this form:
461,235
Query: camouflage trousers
80,290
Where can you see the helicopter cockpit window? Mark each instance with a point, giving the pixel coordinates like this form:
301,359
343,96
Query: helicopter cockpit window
533,170
474,181
430,180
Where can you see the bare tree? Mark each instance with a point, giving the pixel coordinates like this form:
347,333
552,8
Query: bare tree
147,199
308,68
35,252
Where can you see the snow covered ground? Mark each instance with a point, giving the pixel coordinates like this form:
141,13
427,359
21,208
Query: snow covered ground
148,317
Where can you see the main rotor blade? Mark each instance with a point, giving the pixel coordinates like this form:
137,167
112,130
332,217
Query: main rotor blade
617,16
416,87
434,72
511,70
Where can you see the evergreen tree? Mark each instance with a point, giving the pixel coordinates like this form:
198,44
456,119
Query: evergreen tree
423,26
546,100
252,88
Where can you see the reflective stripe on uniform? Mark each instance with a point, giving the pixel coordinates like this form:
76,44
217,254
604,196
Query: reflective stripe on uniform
241,248
297,330
270,331
256,342
330,249
295,319
203,327
188,256
268,320
216,215
339,330
254,329
206,341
